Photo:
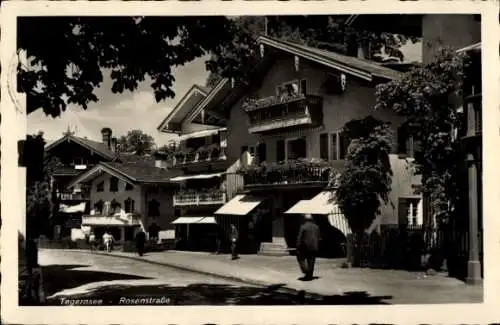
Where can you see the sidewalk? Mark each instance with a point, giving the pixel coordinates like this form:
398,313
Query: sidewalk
393,286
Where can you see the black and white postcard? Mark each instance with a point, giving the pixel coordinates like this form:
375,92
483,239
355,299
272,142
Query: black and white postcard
257,162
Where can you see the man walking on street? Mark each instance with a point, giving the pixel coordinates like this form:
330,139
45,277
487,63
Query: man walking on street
307,246
234,241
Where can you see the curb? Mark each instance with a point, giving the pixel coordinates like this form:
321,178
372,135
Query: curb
242,280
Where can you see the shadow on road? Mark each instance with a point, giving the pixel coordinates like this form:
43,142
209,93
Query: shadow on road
61,277
217,294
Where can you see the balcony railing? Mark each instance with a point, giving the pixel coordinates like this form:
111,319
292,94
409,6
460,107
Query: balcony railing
274,112
130,219
73,196
200,198
291,173
199,156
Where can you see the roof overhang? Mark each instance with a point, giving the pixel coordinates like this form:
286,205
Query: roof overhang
220,90
97,171
471,48
191,99
54,144
289,48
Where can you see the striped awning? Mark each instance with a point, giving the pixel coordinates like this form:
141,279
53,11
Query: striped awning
323,204
240,205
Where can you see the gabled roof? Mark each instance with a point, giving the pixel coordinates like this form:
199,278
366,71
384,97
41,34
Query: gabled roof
132,172
222,88
98,147
358,67
192,97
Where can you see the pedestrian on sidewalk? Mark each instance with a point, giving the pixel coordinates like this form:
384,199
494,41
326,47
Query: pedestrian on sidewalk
92,241
140,240
234,242
107,239
307,246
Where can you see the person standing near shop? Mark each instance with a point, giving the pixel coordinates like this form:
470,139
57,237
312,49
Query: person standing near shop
307,246
140,240
234,242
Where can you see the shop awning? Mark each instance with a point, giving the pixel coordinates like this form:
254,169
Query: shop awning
115,220
323,204
73,208
186,220
207,220
240,205
198,176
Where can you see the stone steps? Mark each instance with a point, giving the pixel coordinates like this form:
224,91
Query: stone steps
273,249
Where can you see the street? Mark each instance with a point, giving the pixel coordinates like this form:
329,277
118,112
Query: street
73,277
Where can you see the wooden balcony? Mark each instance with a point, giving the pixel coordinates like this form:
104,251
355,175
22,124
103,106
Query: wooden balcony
73,196
201,198
199,156
291,174
274,113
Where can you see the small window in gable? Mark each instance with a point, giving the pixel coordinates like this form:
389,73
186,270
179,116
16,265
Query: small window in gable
129,187
100,187
113,184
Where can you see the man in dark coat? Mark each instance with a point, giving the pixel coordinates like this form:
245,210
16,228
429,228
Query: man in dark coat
307,246
140,240
234,242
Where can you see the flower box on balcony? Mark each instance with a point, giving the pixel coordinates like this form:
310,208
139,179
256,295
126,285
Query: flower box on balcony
291,172
272,113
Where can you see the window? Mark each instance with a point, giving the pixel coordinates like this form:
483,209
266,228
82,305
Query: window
129,187
303,86
280,150
115,206
244,149
406,145
98,206
323,146
100,187
251,151
153,208
79,161
296,148
339,145
113,184
129,205
412,217
261,152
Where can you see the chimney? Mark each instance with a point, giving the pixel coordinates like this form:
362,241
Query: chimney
106,136
161,160
364,50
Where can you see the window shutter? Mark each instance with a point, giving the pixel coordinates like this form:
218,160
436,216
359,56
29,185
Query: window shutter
343,145
280,150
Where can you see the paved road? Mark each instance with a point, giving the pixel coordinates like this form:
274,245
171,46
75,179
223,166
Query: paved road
84,278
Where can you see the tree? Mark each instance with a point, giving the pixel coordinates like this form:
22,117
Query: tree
366,181
137,142
68,55
240,54
426,97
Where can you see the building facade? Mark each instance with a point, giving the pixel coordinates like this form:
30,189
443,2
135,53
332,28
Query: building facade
285,129
126,197
462,33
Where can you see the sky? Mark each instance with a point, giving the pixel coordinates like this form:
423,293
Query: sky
121,112
138,109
